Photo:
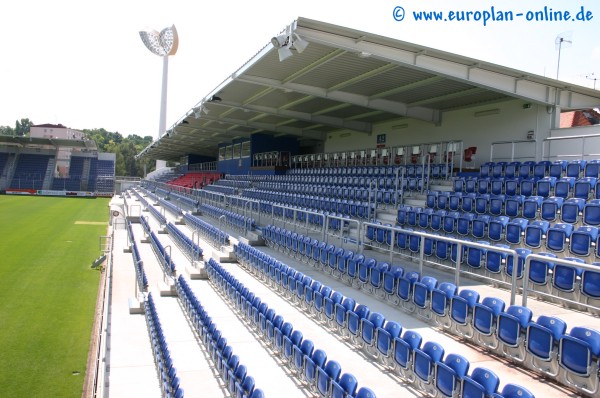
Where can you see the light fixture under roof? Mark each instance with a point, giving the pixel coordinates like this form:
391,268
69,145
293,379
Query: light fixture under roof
286,41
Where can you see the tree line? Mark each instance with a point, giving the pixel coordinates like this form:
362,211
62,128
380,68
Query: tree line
125,148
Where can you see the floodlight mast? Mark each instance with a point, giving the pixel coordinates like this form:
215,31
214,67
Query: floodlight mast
162,44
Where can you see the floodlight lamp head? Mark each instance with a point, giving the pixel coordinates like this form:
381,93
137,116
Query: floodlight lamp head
280,41
162,44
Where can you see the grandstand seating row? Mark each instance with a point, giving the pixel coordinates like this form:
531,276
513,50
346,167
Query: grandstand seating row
233,219
558,168
542,346
545,276
437,170
581,241
401,351
140,274
193,179
189,248
221,189
357,209
167,373
572,210
238,382
565,187
214,236
164,258
322,375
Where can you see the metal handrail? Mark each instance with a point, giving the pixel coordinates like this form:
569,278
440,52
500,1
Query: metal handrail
458,242
344,220
296,210
573,264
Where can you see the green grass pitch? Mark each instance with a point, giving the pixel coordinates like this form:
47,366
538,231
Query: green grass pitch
47,292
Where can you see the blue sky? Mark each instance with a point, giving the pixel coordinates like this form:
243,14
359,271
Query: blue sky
83,64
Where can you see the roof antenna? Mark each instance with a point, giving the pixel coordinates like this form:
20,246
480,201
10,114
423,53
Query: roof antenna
564,39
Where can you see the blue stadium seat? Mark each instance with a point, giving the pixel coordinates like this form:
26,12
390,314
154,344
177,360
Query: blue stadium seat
468,202
436,219
515,229
449,221
578,358
541,168
527,186
479,226
557,168
461,311
422,295
424,362
481,383
558,236
551,207
531,207
513,205
514,391
390,282
344,387
564,187
590,284
385,341
582,240
592,168
583,187
471,185
512,186
354,321
431,199
497,186
341,313
424,217
405,288
369,325
463,223
571,210
441,298
442,200
535,233
454,201
476,256
540,272
495,261
404,348
496,204
327,375
591,213
311,364
498,169
512,325
513,169
485,315
497,228
545,186
565,279
541,341
449,375
575,168
485,170
300,353
482,203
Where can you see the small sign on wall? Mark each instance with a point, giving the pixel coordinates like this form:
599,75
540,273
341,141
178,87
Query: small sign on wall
380,140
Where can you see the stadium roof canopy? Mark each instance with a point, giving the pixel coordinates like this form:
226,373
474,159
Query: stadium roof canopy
351,80
31,142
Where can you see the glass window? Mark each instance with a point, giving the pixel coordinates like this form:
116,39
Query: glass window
222,153
237,150
245,149
228,152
